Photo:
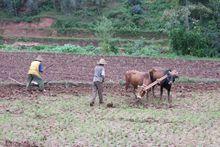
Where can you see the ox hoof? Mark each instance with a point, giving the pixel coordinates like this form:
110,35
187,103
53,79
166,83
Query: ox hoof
139,98
91,104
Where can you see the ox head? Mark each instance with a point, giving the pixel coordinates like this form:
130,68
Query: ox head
172,75
140,92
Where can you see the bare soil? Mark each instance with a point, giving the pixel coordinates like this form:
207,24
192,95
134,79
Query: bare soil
77,68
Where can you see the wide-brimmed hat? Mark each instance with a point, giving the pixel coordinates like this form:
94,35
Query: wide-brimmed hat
102,61
39,58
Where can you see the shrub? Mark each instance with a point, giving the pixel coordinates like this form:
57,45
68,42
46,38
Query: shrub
135,47
134,2
136,9
191,42
1,40
104,31
32,7
12,6
200,12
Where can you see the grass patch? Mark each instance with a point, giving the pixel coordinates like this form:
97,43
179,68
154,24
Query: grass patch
116,41
155,51
196,80
67,120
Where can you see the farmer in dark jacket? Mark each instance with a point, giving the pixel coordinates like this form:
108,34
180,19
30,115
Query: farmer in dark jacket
98,79
34,73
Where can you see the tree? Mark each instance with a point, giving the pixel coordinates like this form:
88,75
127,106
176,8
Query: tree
12,6
187,16
104,31
32,6
56,5
69,6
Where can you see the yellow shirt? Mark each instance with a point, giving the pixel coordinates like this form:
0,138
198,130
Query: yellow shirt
34,69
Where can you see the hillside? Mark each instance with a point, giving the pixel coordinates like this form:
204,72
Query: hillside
111,24
80,25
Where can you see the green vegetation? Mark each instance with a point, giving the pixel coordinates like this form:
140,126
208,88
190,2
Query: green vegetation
196,80
67,120
1,40
104,31
192,25
156,51
189,43
194,28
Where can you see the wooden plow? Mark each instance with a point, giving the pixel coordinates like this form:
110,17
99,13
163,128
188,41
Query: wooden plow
34,83
147,87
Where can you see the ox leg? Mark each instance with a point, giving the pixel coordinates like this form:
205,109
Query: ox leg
168,94
147,95
126,86
153,91
134,92
161,92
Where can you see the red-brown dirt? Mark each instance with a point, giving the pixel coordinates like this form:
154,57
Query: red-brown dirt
68,67
26,29
42,23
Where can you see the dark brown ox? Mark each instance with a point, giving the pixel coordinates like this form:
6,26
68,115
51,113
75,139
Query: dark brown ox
136,78
157,73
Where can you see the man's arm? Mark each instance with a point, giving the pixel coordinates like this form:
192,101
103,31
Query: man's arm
103,75
41,69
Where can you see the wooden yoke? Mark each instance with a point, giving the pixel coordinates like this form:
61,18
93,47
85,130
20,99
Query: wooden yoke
146,87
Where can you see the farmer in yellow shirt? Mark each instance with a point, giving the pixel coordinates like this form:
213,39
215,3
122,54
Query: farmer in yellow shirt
34,73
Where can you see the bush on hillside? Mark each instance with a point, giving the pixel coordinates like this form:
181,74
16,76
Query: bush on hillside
134,2
191,42
104,32
1,40
32,7
183,2
200,12
12,6
134,48
136,9
69,6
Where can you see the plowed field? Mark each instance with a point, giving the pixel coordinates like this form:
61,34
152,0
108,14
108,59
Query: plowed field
61,116
68,67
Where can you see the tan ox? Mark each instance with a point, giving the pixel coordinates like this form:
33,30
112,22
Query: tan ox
136,78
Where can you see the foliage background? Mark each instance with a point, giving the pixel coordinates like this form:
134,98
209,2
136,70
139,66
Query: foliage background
199,19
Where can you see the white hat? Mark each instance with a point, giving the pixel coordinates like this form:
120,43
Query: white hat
39,58
102,61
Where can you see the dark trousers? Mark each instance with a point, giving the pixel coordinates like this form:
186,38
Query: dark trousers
36,79
97,88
